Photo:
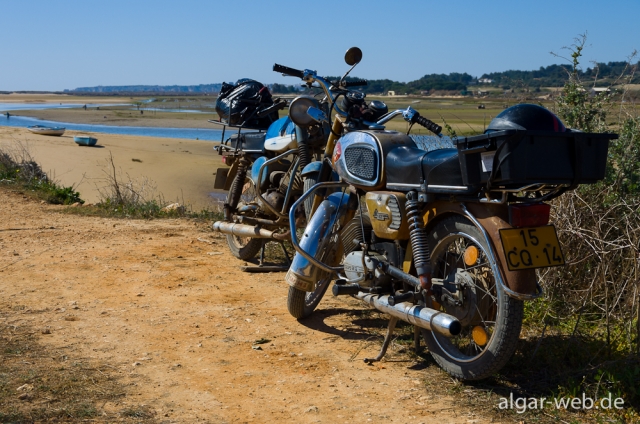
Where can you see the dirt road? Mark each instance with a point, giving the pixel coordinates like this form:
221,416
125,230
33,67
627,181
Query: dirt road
191,338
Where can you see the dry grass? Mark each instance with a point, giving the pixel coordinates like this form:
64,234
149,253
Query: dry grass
40,383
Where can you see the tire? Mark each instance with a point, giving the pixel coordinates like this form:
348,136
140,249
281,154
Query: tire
244,248
484,305
301,304
309,182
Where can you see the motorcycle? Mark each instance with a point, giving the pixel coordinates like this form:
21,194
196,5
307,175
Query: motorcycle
447,239
270,170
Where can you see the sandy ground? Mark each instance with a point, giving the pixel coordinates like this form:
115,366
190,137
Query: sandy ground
163,304
181,170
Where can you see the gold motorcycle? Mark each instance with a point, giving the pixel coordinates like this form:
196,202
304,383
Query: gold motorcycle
445,234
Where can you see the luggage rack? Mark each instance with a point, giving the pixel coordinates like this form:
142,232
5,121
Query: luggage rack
281,104
532,193
223,143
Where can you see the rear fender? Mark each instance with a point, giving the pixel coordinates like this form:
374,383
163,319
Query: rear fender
492,217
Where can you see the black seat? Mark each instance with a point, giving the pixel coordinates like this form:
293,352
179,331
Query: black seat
439,169
249,141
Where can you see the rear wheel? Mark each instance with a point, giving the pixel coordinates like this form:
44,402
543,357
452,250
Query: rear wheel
245,248
490,319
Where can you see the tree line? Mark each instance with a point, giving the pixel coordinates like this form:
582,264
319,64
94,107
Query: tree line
550,76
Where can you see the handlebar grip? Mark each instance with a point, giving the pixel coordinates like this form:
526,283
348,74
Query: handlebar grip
356,83
430,125
288,71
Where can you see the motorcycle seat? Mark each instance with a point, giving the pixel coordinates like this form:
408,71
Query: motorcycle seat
248,142
439,170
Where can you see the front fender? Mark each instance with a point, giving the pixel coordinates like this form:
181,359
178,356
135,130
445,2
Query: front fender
320,240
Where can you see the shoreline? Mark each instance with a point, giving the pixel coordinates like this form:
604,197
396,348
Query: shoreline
123,118
181,170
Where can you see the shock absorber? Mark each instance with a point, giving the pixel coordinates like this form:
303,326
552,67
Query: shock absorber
303,147
236,187
419,241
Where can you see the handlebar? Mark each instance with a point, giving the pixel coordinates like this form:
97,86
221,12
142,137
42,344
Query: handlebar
430,125
356,83
288,71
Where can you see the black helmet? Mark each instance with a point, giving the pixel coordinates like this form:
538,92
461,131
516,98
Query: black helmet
526,117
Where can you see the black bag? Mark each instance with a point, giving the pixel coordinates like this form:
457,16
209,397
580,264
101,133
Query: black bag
241,103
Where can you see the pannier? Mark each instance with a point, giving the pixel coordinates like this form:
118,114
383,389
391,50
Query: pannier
240,104
513,159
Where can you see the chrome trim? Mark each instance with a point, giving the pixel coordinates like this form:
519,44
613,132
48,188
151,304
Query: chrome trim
353,139
494,263
446,187
404,185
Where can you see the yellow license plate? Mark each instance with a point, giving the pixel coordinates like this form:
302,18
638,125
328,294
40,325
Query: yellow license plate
531,247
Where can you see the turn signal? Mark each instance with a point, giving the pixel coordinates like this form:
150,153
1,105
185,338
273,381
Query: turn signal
529,215
337,152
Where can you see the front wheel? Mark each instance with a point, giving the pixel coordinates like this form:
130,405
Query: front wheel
490,319
301,303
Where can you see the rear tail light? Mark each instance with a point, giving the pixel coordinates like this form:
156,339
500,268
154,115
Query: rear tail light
529,215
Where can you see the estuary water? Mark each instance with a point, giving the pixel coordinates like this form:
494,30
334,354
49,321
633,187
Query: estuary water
22,121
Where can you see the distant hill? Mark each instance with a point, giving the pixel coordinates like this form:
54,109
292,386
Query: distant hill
550,76
171,89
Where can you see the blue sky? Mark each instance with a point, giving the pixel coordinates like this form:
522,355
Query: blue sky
56,45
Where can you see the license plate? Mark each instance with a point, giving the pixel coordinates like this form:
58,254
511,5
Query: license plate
531,247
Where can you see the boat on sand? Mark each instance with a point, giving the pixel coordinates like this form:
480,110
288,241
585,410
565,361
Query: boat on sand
42,130
85,140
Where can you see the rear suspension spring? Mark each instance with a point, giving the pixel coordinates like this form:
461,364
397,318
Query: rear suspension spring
238,184
419,240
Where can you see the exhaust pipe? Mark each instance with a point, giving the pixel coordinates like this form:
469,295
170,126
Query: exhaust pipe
241,230
420,316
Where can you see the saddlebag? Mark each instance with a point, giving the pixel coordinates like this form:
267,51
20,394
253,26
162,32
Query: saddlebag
239,104
515,159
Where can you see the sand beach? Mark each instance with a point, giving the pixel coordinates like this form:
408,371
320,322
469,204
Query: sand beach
180,169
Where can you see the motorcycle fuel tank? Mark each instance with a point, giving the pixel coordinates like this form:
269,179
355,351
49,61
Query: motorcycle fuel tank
281,135
359,156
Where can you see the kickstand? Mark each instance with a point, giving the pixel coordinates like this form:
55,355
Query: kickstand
416,339
385,344
268,268
286,254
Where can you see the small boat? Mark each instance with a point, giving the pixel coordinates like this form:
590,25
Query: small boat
42,130
85,140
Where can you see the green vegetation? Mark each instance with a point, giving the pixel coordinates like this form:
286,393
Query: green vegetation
582,337
18,169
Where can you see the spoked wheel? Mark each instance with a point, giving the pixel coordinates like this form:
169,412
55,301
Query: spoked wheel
490,319
245,248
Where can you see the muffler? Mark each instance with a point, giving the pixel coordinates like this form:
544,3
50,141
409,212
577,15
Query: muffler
242,230
420,316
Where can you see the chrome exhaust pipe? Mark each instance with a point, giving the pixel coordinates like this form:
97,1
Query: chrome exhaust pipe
420,316
241,230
